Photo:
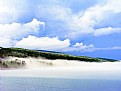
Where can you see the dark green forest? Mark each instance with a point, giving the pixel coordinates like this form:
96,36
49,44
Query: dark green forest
20,52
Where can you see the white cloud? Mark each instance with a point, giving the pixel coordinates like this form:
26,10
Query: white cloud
54,12
6,42
43,43
86,22
106,31
80,47
113,5
18,30
72,24
11,11
93,15
77,24
83,24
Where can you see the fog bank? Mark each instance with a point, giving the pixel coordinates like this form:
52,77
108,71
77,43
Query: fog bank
38,67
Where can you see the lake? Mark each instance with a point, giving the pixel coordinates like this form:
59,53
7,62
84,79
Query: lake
58,84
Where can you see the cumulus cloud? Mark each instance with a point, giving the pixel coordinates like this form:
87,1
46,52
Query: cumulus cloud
93,15
11,11
54,12
6,42
59,17
53,44
43,43
18,30
106,31
114,6
83,22
80,47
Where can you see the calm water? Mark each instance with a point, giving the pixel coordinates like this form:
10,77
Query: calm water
57,84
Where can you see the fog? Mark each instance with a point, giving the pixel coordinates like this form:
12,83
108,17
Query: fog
38,67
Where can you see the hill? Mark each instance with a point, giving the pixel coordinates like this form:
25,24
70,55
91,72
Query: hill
20,52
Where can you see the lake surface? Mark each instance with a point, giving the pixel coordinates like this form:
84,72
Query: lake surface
57,84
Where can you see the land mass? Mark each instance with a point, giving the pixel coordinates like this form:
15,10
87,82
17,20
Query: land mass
20,52
48,55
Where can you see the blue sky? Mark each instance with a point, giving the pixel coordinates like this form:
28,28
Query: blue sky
78,27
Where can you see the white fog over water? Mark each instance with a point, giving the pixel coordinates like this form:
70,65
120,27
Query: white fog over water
38,67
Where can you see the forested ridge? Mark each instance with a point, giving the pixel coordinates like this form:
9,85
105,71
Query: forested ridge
20,52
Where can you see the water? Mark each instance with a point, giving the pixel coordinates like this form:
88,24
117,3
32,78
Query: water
57,84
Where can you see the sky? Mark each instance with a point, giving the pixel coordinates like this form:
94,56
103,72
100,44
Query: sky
78,27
